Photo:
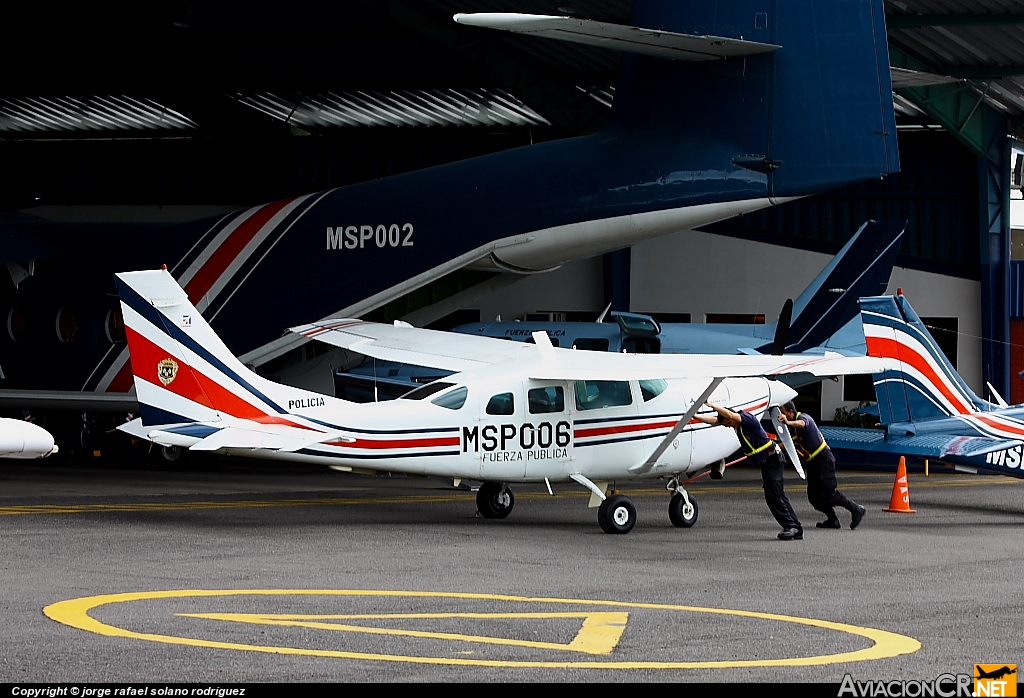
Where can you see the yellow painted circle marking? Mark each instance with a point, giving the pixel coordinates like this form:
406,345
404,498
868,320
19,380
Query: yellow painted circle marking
75,612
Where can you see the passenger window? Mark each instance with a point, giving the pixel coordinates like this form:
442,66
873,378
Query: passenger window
590,344
652,388
453,400
641,345
545,400
503,403
554,340
593,395
426,390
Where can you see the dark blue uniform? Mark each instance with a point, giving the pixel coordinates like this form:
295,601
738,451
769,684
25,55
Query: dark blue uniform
821,471
760,450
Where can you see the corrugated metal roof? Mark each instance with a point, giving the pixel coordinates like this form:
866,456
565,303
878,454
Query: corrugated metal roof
967,38
440,107
111,113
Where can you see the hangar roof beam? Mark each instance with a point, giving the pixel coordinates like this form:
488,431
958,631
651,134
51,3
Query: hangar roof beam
955,106
897,22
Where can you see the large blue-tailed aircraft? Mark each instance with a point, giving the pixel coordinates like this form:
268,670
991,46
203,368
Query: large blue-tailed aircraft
926,408
722,107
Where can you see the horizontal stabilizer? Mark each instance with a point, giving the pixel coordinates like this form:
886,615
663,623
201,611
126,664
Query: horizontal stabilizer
234,437
620,37
924,446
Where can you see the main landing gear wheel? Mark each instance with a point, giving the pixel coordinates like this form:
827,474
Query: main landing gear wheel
617,514
495,500
681,514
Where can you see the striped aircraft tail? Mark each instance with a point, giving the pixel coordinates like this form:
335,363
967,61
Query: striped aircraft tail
184,372
926,386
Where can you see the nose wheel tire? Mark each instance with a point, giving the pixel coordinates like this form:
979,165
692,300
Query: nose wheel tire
681,514
617,514
495,500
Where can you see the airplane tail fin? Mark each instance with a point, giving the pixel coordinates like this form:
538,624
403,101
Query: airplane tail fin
814,113
829,303
862,268
926,386
183,371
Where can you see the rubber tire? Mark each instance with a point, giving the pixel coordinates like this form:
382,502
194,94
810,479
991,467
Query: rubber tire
620,507
170,454
677,511
488,500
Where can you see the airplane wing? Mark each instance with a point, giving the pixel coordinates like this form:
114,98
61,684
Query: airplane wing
413,345
620,37
459,352
924,446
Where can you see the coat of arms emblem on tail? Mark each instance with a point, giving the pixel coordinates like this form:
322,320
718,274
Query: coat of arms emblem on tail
167,370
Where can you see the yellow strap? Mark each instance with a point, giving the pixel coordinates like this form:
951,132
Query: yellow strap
820,448
754,451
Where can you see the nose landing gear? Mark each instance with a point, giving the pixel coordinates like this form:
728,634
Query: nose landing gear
682,508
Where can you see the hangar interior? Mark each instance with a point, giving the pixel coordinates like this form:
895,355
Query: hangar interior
180,111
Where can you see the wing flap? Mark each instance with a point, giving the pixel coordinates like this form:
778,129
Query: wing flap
580,365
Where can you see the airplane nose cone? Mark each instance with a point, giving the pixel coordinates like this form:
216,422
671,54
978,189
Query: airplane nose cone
779,393
24,440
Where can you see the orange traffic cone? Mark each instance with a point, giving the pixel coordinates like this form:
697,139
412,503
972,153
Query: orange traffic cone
900,500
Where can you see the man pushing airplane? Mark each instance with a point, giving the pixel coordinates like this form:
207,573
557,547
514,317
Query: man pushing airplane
821,469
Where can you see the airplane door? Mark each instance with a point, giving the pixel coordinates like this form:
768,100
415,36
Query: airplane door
605,428
501,455
710,443
546,433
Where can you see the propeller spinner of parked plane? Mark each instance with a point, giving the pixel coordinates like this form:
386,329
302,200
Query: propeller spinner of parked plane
24,440
512,413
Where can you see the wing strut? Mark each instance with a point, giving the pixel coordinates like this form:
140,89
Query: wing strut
683,421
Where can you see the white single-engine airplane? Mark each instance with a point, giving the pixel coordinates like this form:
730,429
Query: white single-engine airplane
511,413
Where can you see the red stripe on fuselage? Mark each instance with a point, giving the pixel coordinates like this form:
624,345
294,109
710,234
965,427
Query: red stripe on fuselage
398,443
221,259
999,426
884,348
622,429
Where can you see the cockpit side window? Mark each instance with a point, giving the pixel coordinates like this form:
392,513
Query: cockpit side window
652,388
502,403
593,395
546,400
452,400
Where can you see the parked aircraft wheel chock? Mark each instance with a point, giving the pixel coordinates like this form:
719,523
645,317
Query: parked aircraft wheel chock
494,500
617,514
